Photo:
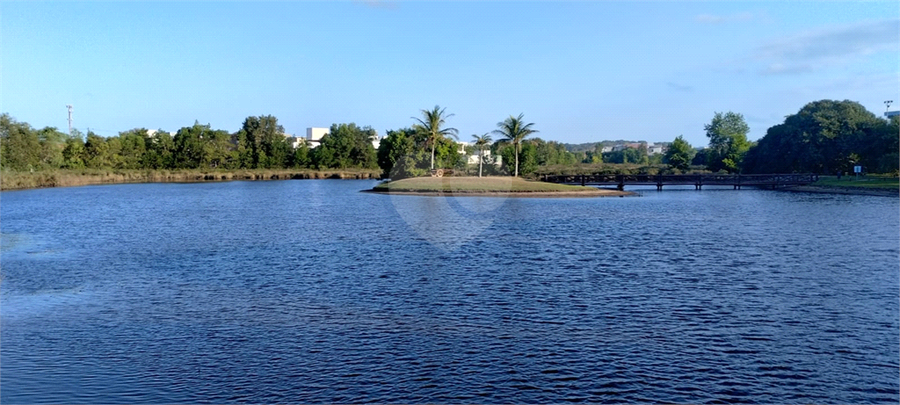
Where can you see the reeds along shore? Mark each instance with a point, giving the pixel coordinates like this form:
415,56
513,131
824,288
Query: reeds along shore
11,180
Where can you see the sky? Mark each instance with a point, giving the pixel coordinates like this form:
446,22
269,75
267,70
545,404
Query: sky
581,71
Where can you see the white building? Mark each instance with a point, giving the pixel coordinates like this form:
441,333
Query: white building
314,136
376,142
656,148
152,133
296,141
488,159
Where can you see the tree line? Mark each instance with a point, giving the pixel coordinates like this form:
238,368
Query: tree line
260,144
823,137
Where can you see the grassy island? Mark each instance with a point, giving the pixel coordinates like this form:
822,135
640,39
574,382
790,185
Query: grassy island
490,186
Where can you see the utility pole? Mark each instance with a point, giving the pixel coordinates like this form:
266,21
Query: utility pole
887,105
69,107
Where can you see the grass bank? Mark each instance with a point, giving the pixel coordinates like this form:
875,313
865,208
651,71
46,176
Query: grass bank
868,182
508,186
884,185
11,180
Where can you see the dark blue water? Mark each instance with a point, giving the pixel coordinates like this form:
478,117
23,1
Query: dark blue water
309,291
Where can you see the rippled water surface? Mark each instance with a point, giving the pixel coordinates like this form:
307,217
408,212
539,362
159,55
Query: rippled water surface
309,291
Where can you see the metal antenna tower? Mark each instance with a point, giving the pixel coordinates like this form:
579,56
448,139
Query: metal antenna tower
69,107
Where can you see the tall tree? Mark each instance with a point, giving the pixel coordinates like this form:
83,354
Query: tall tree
160,151
481,141
265,140
396,153
826,136
727,133
134,147
19,145
346,146
189,146
514,130
432,125
96,151
73,152
680,154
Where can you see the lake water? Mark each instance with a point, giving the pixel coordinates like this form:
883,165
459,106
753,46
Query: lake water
310,291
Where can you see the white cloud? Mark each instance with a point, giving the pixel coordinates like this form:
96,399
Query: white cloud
679,87
812,50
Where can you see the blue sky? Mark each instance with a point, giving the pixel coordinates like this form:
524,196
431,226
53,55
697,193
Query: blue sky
581,71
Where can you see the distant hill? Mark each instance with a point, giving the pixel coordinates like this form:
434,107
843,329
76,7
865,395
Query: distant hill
586,147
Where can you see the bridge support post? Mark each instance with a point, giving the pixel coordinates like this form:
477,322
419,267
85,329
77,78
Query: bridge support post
582,180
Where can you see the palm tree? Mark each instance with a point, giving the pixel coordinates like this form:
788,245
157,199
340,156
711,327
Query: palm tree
514,130
431,127
481,142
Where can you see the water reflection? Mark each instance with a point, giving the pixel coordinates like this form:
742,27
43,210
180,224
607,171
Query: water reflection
309,291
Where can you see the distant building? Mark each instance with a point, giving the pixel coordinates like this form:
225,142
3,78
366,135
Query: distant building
376,142
314,136
488,159
890,114
656,148
474,158
629,145
606,149
152,133
296,141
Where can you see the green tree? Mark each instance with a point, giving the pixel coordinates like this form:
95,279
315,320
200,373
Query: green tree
242,155
396,153
217,148
19,145
133,148
265,141
346,146
701,156
96,151
189,147
825,136
553,153
727,133
160,151
514,130
52,143
432,125
481,141
300,157
596,155
73,152
679,154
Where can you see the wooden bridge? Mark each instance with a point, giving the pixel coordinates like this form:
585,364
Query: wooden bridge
697,180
